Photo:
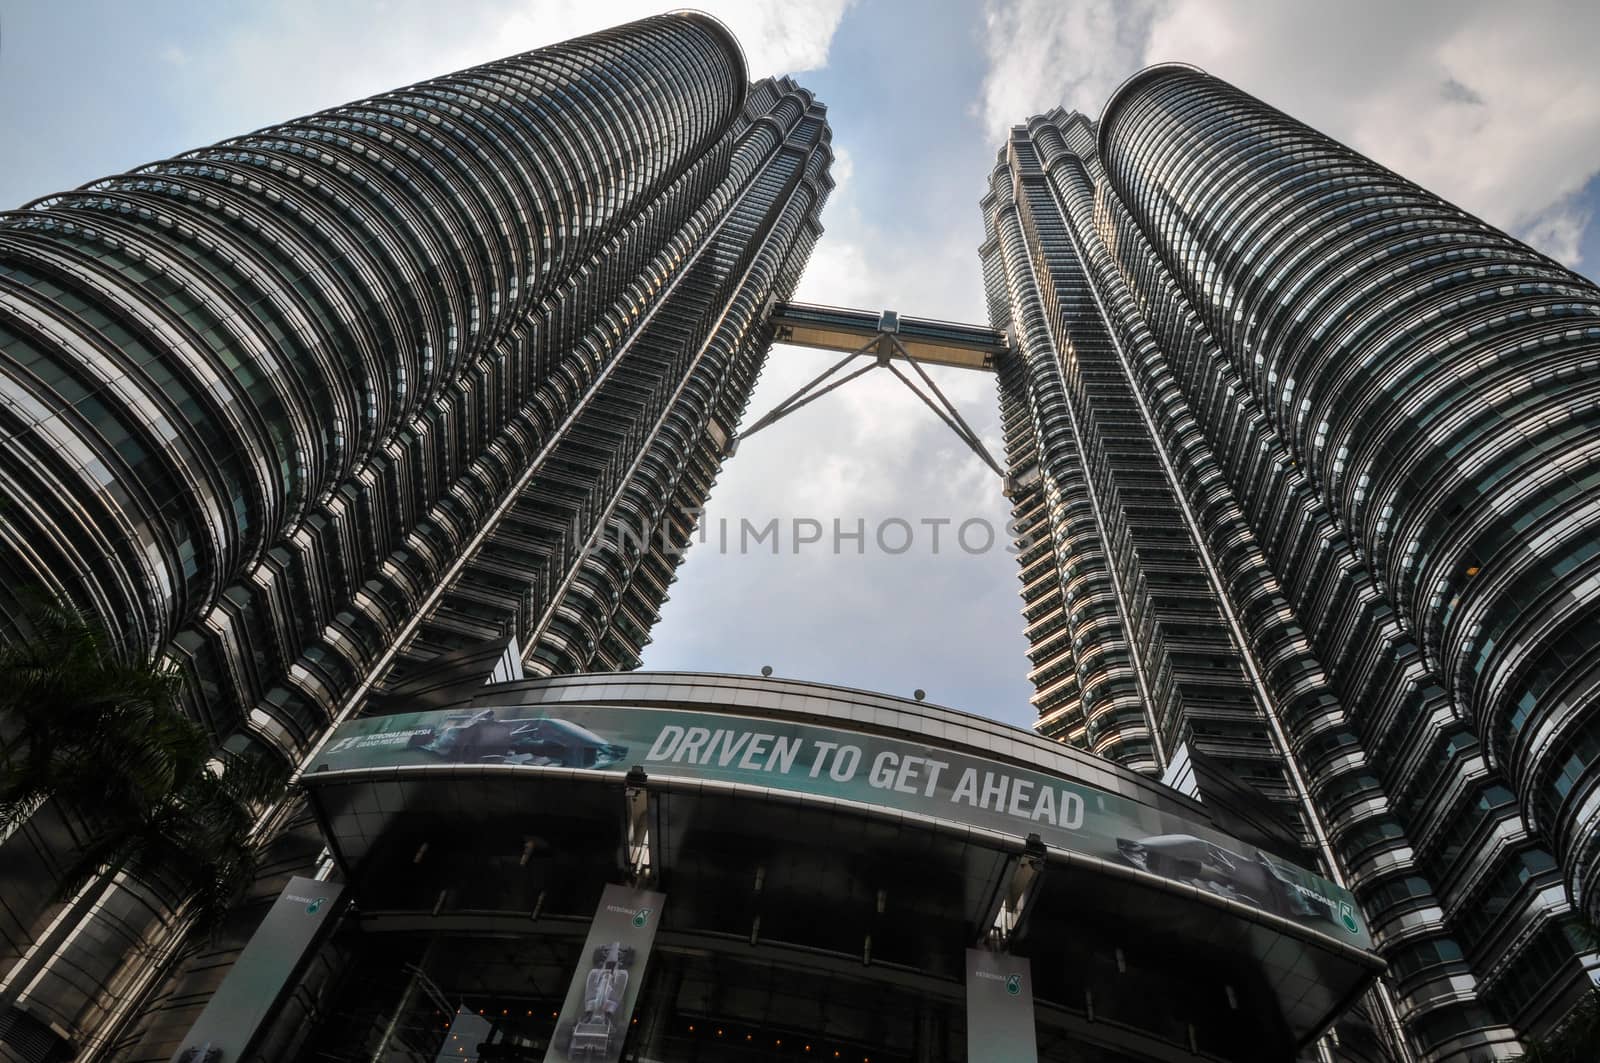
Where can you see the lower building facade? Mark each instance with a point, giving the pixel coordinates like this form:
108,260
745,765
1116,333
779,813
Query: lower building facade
814,863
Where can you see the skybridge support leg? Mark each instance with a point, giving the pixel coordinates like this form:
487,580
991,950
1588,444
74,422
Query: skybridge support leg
886,349
805,395
959,425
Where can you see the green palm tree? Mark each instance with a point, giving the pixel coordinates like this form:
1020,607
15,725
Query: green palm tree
78,723
105,737
199,839
1577,1040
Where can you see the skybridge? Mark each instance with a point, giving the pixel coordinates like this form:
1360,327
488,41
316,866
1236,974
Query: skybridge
883,340
932,342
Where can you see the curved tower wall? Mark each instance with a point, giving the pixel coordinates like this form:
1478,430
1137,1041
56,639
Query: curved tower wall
1333,392
303,410
1438,382
263,397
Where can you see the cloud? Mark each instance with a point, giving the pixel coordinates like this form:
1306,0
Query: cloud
843,169
778,37
1048,52
1496,107
947,622
1558,232
1456,92
295,56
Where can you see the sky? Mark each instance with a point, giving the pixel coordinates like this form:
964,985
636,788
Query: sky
1495,106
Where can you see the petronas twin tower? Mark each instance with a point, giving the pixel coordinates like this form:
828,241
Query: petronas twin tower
1304,458
1315,453
359,389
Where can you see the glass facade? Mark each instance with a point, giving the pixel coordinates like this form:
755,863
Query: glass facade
1302,459
304,409
1311,449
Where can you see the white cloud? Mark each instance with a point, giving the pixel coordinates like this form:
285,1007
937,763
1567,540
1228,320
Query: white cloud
297,56
1558,232
1048,52
1493,106
843,169
778,37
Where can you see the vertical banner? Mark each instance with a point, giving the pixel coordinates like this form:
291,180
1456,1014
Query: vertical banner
599,1006
467,1031
999,1008
258,977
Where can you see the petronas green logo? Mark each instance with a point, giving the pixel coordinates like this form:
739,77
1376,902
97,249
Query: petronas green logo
1014,984
311,909
1347,916
641,917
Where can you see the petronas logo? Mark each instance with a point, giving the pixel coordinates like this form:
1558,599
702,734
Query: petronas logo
1347,916
641,917
312,908
1014,984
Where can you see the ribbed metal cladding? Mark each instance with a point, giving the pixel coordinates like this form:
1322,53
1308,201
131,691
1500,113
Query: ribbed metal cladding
1440,384
1385,761
579,567
265,381
1410,862
1195,676
1089,687
1321,722
304,409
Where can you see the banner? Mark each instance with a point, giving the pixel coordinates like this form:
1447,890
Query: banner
467,1031
999,1008
870,769
257,978
599,1006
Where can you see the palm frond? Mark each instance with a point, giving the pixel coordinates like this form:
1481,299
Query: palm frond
104,736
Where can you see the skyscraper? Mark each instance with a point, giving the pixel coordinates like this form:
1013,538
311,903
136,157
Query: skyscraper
1306,465
344,416
304,408
368,382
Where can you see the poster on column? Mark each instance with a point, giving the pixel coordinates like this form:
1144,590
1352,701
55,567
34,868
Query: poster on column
999,1008
236,1011
595,1017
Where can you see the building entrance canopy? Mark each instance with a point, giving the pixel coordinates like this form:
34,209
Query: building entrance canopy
862,826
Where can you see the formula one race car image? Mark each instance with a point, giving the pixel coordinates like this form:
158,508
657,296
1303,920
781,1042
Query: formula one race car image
1206,865
595,1036
481,738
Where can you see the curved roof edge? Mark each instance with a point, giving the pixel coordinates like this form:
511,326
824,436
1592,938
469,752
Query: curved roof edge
1088,863
720,29
1154,793
1124,91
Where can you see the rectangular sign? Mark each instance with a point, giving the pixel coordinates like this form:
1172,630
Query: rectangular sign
256,980
595,1017
467,1031
849,765
999,1008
